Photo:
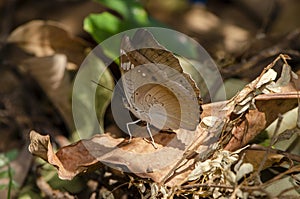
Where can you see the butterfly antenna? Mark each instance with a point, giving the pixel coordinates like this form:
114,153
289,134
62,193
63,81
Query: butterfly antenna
122,94
102,85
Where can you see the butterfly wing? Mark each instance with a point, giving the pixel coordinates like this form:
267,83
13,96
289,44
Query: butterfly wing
145,49
160,104
160,69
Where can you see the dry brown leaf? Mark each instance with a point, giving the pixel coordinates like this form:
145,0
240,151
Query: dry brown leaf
138,157
46,38
54,50
67,168
50,73
255,157
269,106
39,145
253,123
243,101
260,110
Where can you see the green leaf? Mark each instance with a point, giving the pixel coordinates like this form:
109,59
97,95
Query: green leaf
129,9
133,15
104,25
101,26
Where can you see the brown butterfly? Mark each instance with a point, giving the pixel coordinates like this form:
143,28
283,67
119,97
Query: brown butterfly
157,90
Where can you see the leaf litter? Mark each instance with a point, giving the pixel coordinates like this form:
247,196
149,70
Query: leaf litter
198,164
237,121
262,113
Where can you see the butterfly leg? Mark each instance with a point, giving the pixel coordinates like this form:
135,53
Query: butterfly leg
128,130
151,137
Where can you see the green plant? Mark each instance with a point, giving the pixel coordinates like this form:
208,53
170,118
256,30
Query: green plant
130,14
6,172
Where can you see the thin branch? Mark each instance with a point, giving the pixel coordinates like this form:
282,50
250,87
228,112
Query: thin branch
206,185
